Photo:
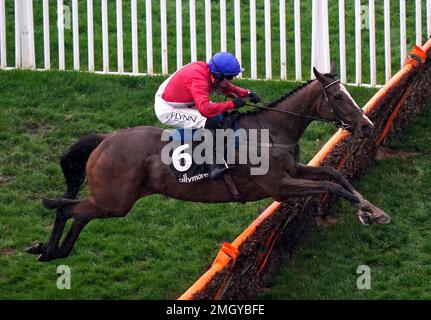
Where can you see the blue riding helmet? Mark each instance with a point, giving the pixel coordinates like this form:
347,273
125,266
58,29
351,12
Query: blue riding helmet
224,64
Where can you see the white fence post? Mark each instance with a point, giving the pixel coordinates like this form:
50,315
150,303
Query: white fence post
372,25
298,52
268,56
60,28
283,62
149,25
358,41
24,34
387,14
90,33
3,56
418,22
253,57
208,33
46,36
193,51
75,35
164,36
223,43
342,32
237,24
17,35
428,18
403,28
179,17
320,57
134,22
120,51
105,38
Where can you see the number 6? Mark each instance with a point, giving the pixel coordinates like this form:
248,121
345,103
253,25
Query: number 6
177,155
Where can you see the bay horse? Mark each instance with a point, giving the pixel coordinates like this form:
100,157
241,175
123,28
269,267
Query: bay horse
124,166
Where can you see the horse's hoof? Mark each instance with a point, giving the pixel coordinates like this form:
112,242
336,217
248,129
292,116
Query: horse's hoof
36,247
45,257
383,219
365,219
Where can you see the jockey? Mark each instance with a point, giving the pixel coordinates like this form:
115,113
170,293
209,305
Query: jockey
183,100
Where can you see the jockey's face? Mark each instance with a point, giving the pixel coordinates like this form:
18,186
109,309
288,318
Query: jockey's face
226,80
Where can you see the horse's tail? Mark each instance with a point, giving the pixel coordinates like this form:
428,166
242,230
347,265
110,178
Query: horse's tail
74,161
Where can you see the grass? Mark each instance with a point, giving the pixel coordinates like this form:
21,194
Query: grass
200,33
398,254
161,247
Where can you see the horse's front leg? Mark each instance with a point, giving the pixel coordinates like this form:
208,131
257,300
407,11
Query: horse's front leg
367,213
292,187
326,172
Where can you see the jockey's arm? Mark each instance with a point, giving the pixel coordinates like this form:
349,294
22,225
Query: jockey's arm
208,109
238,91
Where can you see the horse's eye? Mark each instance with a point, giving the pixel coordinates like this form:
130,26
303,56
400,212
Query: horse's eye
337,96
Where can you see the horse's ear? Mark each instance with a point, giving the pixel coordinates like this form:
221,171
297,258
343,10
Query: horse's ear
318,75
333,67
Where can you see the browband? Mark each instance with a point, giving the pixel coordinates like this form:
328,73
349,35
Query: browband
332,83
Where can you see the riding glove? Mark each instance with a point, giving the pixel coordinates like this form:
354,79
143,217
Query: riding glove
238,103
254,97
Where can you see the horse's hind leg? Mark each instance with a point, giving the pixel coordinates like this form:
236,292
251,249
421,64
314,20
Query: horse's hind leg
61,218
48,250
52,247
82,212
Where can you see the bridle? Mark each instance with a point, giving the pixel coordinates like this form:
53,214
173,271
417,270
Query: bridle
338,122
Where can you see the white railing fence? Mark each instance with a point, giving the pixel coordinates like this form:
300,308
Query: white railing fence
148,37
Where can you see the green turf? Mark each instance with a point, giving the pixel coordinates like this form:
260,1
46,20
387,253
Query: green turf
200,33
397,254
161,247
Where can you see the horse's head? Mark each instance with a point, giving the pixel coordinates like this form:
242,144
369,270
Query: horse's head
338,106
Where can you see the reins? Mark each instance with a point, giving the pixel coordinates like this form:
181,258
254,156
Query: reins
266,106
338,122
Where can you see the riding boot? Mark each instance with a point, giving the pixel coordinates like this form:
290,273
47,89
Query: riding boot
215,170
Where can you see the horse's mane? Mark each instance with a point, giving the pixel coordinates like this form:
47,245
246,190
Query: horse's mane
289,94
